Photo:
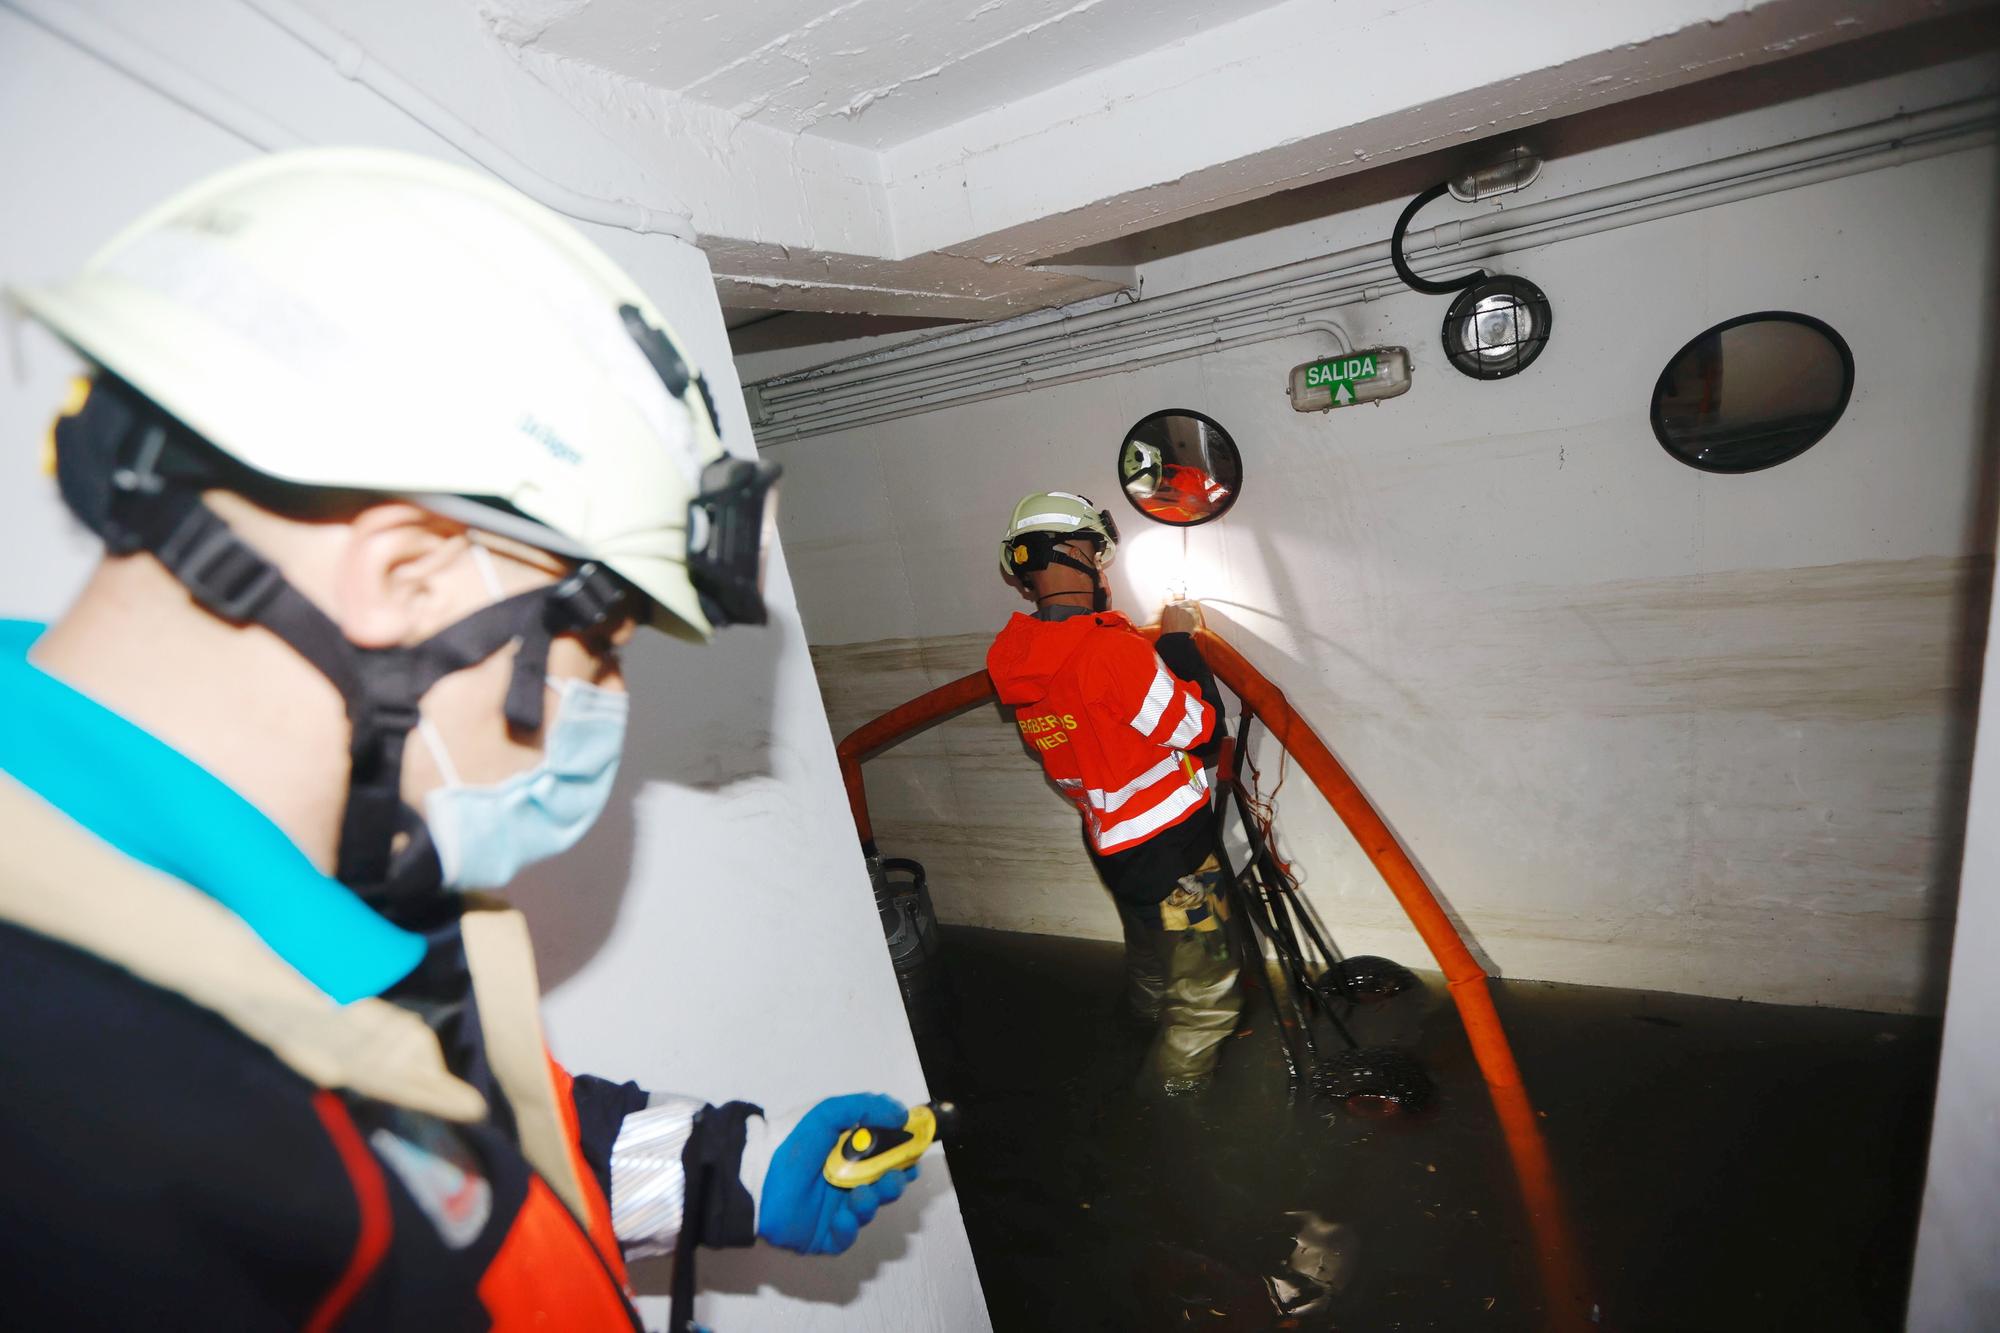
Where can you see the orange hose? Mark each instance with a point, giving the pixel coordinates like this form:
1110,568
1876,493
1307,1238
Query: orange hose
1555,1249
1556,1252
1268,702
903,720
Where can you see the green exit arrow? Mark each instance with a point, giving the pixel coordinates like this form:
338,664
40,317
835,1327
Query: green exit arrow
1351,378
1339,375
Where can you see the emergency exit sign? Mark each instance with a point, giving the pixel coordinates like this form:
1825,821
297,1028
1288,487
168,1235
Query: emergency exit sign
1364,376
1338,377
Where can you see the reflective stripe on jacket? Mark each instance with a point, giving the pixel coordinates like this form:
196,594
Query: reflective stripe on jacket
1109,722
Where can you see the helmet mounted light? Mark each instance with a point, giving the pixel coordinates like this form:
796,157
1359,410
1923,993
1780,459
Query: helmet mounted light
729,539
732,515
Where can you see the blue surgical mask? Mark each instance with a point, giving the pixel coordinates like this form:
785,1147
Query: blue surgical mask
484,835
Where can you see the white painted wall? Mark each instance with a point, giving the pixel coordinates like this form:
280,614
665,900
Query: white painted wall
1639,725
717,935
1956,1284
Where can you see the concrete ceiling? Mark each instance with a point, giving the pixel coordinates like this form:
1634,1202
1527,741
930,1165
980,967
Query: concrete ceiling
931,159
867,72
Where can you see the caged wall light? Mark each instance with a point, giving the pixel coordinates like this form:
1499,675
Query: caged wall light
1497,324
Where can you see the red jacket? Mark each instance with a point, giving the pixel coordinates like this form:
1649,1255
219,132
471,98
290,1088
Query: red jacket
1107,719
1190,493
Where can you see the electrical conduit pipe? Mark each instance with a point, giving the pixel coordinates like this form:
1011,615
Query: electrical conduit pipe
354,62
135,61
886,363
966,367
351,61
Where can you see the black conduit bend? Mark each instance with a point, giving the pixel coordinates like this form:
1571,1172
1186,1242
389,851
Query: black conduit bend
1415,283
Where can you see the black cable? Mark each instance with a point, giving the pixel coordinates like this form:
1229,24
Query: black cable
1248,949
1261,909
1304,998
1282,907
1261,856
1281,896
1403,270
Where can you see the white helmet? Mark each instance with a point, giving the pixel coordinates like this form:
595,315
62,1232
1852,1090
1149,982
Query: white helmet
1044,521
365,321
375,321
1141,466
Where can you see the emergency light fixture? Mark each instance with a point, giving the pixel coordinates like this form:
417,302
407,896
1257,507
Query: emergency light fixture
1365,376
1498,324
1496,327
1514,172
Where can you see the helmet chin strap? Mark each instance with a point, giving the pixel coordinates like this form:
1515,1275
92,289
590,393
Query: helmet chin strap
381,687
139,490
1100,595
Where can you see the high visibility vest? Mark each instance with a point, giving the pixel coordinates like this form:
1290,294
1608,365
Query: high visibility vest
1109,722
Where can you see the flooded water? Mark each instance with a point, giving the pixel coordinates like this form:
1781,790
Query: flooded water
1726,1165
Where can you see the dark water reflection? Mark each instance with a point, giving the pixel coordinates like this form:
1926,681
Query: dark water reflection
1728,1166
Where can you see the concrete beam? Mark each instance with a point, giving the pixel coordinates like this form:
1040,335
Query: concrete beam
1306,92
949,223
940,286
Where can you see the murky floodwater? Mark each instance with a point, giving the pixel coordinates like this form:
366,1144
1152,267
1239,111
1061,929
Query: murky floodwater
1727,1166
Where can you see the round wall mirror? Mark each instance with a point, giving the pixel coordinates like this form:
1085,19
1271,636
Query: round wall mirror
1180,467
1753,392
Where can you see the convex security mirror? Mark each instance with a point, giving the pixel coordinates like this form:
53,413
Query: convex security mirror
1753,392
1180,467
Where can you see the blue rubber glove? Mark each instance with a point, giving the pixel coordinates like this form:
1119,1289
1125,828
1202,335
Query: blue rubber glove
799,1209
